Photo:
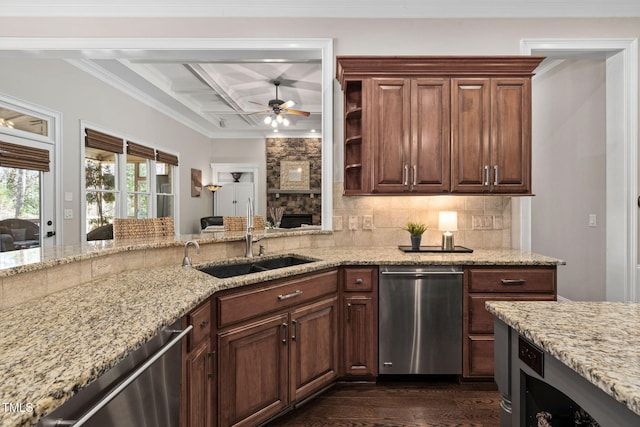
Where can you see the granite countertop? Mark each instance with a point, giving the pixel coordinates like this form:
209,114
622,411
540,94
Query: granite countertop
598,340
54,346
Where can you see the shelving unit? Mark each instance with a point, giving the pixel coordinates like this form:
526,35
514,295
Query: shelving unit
353,148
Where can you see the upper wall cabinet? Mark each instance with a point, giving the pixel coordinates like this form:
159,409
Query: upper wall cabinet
437,125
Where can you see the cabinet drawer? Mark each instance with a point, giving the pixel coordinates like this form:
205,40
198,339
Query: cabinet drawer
480,356
244,305
481,321
511,280
359,279
200,318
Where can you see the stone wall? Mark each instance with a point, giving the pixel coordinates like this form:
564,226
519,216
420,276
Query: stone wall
295,149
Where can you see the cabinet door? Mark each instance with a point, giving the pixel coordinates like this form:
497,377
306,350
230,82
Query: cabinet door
360,339
390,137
470,121
198,387
511,135
225,201
430,167
314,347
253,367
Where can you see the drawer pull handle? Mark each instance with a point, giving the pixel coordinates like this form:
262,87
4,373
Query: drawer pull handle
513,281
359,281
291,295
285,337
204,324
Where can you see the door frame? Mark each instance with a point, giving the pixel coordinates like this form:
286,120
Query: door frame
622,161
51,191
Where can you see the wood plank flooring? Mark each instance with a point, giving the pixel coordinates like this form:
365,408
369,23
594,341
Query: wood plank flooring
399,404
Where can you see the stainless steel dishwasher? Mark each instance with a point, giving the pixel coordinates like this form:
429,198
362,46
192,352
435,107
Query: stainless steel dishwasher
420,320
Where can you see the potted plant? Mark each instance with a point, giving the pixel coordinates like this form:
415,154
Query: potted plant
416,230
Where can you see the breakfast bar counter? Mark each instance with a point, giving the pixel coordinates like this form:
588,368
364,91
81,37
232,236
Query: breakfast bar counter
588,351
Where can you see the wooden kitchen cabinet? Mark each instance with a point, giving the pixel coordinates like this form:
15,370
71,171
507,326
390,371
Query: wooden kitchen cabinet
278,344
410,135
491,138
359,299
490,283
198,389
253,371
434,125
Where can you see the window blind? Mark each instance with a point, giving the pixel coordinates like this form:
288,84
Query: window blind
163,157
22,157
140,150
102,141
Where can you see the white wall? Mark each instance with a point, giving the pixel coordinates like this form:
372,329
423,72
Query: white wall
59,86
252,151
569,176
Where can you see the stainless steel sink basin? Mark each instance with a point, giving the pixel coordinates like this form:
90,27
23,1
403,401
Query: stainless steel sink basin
222,271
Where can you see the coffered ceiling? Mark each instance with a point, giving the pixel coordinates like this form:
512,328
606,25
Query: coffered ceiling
221,93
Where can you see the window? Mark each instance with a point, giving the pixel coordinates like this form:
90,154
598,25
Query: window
27,179
120,184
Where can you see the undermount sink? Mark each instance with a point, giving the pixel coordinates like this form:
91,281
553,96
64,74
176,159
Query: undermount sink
222,271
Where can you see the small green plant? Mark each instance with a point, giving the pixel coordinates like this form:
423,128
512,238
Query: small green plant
415,228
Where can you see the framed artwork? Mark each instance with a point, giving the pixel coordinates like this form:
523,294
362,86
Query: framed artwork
196,182
294,175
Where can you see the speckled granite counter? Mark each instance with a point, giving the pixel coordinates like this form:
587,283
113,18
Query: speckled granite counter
53,346
598,340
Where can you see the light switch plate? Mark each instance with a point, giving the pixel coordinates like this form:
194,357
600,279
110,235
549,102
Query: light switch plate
593,220
68,196
68,214
367,222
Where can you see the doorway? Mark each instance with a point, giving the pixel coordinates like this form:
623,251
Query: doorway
620,134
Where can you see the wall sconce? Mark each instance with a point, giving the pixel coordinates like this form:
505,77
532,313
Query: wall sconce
448,222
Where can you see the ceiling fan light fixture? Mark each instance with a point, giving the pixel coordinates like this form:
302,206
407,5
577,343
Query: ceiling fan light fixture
267,120
274,124
285,122
279,118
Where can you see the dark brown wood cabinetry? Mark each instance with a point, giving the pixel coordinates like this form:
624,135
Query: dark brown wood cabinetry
496,284
359,308
491,140
198,389
277,344
433,125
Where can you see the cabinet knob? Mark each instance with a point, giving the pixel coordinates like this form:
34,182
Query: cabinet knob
204,324
359,281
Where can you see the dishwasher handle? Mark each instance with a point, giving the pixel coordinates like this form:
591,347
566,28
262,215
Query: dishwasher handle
422,273
125,383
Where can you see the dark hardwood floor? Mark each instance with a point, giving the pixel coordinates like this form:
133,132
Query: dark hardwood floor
399,404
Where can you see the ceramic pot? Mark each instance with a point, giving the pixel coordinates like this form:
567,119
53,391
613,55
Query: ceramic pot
415,242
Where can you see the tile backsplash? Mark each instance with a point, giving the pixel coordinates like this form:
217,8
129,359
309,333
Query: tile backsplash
483,221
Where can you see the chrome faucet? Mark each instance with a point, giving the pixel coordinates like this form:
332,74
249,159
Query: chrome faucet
186,261
248,237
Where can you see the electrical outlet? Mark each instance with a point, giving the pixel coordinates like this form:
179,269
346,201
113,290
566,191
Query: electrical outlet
68,214
353,222
367,222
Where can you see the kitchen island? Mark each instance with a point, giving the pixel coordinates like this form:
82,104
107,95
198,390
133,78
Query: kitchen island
52,347
584,354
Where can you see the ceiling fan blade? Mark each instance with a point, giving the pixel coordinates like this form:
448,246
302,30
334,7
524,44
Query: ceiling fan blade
261,112
298,112
287,104
260,103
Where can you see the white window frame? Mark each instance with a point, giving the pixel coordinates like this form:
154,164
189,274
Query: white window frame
50,207
121,178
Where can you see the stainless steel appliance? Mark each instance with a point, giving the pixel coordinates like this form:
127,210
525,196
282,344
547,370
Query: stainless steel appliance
143,390
420,320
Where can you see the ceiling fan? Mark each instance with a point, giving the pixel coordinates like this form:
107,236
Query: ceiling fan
277,109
